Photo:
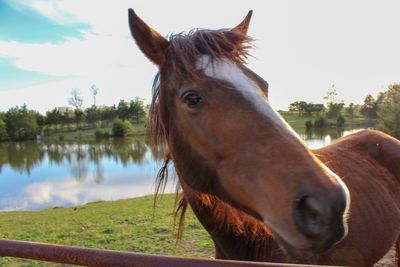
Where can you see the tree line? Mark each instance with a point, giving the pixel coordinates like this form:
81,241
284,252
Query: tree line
21,123
383,111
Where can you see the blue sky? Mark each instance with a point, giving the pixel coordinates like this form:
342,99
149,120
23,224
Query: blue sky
23,23
48,47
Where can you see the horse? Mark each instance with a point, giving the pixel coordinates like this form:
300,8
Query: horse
257,189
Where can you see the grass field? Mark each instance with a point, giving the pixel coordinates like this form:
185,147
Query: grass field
118,225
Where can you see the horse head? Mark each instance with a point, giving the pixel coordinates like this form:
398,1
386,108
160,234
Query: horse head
225,139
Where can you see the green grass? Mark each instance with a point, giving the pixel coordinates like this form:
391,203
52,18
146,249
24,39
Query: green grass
118,225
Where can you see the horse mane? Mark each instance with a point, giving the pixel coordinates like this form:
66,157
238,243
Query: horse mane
183,51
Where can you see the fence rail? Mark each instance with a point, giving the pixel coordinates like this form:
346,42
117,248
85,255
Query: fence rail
102,257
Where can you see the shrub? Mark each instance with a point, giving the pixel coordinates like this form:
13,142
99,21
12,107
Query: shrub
320,122
340,121
121,128
309,124
3,131
101,133
46,130
21,123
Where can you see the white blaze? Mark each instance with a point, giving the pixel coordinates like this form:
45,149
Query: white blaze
224,69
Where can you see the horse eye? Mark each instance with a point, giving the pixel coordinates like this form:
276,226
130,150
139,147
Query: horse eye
192,99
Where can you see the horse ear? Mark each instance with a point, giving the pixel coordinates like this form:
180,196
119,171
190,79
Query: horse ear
244,25
152,44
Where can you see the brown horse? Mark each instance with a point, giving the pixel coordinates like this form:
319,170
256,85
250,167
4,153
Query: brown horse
256,188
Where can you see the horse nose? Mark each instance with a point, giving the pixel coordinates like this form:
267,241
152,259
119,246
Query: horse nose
312,216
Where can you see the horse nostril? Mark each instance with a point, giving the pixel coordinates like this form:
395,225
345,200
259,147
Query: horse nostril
311,216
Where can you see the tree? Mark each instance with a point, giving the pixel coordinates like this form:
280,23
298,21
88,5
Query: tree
123,110
317,108
78,114
53,117
304,107
92,114
350,110
389,110
137,110
331,96
340,121
298,106
21,123
108,113
333,104
3,131
94,91
369,108
76,99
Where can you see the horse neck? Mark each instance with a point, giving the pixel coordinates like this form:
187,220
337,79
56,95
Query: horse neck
236,235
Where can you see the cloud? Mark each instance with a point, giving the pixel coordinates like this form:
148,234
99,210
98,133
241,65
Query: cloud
68,192
301,48
51,9
106,56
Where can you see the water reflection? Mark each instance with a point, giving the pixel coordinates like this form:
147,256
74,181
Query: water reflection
317,138
37,175
25,156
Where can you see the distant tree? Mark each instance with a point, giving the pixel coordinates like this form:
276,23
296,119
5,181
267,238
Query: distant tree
298,106
3,130
123,110
92,114
317,108
350,110
76,99
78,114
333,104
137,110
54,116
334,109
303,107
108,113
21,123
331,95
40,119
340,121
308,124
94,91
320,123
369,108
389,110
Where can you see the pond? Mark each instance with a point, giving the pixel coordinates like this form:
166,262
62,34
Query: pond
37,174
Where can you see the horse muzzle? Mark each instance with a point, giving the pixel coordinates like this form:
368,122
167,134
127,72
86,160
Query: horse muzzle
321,219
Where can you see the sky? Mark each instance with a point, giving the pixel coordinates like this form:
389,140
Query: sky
302,48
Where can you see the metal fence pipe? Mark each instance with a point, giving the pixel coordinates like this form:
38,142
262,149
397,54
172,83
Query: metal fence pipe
102,257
